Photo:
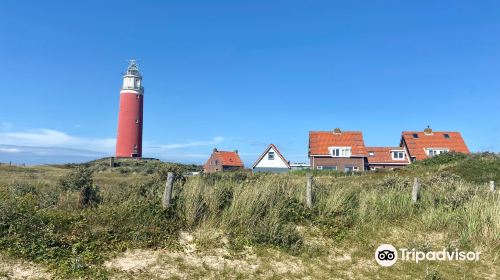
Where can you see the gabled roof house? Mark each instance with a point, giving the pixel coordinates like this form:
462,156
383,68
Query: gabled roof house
387,157
337,150
424,144
221,161
271,160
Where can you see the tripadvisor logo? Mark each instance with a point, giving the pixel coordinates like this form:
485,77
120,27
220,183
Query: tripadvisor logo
387,255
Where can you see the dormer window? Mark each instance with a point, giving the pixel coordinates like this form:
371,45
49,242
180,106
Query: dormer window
398,155
270,156
446,135
340,151
415,135
435,151
371,153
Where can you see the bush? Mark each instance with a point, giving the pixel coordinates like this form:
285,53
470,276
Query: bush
478,168
77,179
444,158
80,179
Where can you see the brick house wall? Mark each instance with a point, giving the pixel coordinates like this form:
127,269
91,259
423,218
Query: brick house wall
340,162
213,164
386,166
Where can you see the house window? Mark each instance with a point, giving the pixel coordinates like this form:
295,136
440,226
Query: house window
371,153
270,156
415,135
329,167
398,155
446,135
340,151
435,151
319,167
349,169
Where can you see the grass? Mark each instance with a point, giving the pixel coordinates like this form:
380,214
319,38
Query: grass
41,219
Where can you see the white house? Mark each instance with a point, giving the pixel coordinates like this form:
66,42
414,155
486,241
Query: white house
271,161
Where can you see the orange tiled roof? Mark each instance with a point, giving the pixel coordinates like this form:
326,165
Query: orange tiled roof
229,158
383,155
319,141
416,146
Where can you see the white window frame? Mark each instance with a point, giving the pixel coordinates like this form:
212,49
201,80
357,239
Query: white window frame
398,158
269,155
343,152
430,152
320,167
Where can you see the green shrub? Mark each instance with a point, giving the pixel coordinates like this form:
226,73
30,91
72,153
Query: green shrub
23,188
478,168
77,179
80,179
444,158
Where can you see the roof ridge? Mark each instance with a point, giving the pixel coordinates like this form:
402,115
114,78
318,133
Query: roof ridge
331,131
432,132
383,147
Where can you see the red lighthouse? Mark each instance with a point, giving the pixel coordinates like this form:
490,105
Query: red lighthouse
129,137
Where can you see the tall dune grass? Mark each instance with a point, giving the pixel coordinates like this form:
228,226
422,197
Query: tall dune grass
41,221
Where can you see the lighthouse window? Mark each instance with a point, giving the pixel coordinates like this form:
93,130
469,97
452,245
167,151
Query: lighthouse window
136,121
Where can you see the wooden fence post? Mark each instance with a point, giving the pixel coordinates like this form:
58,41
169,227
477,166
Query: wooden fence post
309,193
415,195
167,193
111,162
492,186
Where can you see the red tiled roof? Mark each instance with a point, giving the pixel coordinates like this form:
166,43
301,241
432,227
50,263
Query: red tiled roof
267,150
383,155
416,146
229,158
319,141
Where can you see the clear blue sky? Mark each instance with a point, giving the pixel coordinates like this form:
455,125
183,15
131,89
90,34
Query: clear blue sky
243,74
